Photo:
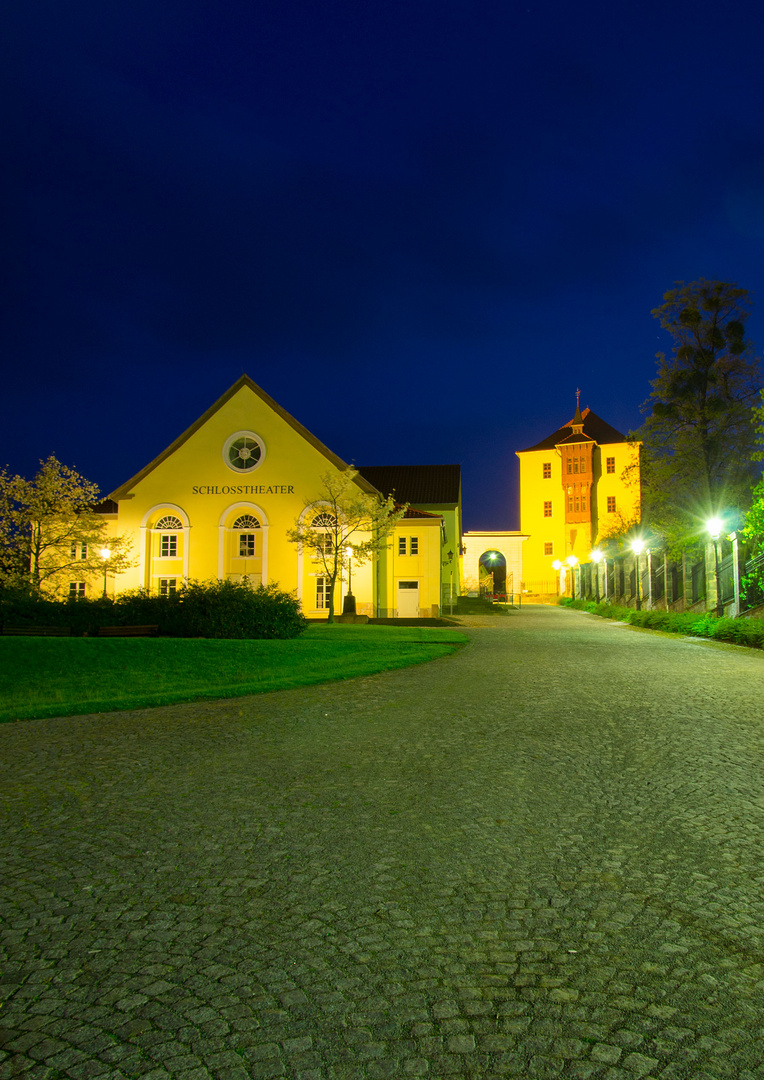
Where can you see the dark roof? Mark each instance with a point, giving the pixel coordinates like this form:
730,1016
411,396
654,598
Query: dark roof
107,506
412,512
594,428
428,485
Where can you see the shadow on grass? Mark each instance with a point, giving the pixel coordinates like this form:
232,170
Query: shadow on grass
43,677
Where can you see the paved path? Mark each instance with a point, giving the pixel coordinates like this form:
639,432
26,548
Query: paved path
542,857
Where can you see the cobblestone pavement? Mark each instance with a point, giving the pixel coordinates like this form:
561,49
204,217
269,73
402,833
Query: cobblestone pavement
541,857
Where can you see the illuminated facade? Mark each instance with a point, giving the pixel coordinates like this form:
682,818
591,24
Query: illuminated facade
431,490
572,492
218,502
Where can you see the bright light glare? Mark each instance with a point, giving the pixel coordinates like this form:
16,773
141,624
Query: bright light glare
637,545
715,526
105,553
571,560
596,555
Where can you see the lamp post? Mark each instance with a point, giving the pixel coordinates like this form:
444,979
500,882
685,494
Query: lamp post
596,557
348,607
735,574
636,547
105,554
572,562
715,526
557,567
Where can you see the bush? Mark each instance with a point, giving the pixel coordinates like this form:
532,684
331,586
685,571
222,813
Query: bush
216,609
749,632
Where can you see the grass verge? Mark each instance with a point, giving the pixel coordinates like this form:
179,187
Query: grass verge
42,677
749,632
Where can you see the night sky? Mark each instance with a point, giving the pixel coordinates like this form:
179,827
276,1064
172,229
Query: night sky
419,226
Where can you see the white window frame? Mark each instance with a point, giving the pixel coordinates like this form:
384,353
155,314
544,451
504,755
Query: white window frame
322,593
169,541
247,541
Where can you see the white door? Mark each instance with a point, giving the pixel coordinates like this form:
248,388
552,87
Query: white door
408,599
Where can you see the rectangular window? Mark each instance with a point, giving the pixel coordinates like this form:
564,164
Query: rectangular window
578,504
168,586
324,546
610,464
401,545
570,504
246,545
549,549
547,509
570,465
583,464
583,501
413,545
322,593
78,551
76,590
547,467
611,504
575,464
168,545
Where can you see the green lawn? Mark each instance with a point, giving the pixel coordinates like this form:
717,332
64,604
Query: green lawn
66,676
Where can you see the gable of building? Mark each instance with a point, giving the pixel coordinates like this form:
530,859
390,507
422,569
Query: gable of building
247,404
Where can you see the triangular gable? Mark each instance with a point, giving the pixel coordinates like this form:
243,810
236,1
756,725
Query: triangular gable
124,490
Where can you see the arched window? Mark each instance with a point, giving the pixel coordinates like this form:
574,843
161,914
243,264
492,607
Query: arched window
324,521
246,538
321,521
167,526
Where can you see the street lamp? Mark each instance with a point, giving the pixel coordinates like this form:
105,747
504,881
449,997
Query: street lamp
597,557
105,555
348,607
637,546
715,526
572,562
557,567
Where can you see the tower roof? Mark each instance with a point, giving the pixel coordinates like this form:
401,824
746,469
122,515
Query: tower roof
593,429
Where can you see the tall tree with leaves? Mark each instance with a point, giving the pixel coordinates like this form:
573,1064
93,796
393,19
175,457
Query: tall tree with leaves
50,531
344,520
698,440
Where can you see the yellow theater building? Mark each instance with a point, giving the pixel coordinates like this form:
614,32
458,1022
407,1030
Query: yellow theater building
217,504
572,493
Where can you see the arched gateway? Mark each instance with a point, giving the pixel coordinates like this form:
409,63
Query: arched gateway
499,554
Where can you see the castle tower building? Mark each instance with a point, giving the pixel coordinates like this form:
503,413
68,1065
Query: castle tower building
572,492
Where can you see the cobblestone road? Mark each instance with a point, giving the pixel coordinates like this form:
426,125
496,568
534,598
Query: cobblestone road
542,857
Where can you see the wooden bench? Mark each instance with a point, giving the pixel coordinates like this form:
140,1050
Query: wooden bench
38,631
128,631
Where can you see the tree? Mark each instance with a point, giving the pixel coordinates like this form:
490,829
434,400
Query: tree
344,521
753,529
50,531
699,438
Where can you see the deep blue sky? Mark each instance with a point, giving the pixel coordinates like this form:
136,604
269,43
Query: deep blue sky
418,225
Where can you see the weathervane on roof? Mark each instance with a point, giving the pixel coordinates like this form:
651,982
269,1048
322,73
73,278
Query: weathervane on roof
578,419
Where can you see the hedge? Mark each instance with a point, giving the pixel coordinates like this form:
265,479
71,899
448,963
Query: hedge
210,609
748,632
